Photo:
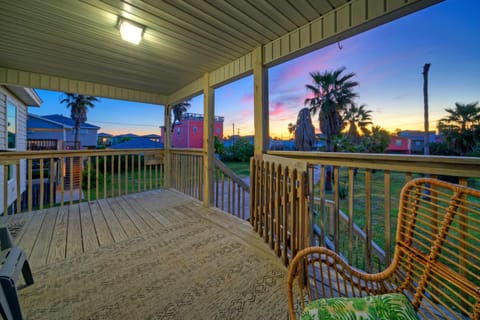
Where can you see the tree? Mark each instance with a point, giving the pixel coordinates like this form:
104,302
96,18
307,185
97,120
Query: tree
461,127
332,91
178,110
78,104
291,128
376,140
358,119
304,131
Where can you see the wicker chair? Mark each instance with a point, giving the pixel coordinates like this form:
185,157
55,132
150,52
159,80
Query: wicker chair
436,264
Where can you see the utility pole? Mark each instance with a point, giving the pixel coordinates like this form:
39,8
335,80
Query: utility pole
426,149
233,132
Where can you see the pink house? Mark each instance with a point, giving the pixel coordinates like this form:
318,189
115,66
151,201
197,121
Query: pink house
189,133
400,145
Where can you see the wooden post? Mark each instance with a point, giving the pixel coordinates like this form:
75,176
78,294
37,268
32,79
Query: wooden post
260,82
208,142
167,142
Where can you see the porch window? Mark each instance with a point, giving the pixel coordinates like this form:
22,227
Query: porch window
12,125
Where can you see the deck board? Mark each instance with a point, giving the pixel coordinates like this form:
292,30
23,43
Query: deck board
74,232
127,224
134,216
58,233
31,232
89,234
59,237
104,235
39,253
116,229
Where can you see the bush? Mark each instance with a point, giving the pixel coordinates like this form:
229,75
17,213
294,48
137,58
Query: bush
93,180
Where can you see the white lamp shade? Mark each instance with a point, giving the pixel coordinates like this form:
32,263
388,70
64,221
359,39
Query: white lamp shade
130,32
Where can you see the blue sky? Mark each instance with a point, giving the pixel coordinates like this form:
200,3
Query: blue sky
387,61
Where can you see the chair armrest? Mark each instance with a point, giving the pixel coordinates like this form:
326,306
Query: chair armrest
6,240
318,272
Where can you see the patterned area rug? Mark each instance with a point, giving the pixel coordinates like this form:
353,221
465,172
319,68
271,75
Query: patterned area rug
197,270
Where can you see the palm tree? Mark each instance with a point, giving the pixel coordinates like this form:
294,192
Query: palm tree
78,104
460,127
304,131
332,92
178,110
291,128
358,119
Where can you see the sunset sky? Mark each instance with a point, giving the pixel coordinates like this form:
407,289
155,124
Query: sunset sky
387,61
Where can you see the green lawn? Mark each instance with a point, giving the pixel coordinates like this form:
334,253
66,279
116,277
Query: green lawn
242,169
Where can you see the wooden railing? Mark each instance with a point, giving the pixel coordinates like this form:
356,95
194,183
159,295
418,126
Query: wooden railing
231,194
279,208
40,179
186,173
366,187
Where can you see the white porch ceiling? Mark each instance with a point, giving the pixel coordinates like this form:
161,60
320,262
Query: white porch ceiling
67,44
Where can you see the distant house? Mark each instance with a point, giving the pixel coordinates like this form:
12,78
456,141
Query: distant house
189,132
417,139
138,143
399,145
104,139
13,135
60,128
231,140
123,137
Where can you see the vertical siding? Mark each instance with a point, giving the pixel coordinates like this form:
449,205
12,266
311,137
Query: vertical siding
21,143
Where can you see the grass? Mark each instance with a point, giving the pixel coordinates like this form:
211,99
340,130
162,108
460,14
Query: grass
136,181
242,169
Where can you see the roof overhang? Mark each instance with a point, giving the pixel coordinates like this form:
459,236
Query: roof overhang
27,96
74,46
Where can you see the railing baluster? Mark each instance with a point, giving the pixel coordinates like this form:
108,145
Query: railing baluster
336,210
30,178
62,163
368,219
387,211
51,183
19,186
88,178
71,179
351,197
127,191
42,187
119,176
97,173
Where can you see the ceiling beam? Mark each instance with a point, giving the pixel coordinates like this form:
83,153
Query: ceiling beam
48,82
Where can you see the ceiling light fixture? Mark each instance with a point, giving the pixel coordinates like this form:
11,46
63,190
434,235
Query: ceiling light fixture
130,31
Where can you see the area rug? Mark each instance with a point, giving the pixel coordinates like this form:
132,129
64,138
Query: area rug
194,270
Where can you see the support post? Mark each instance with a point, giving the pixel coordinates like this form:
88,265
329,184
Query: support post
208,141
260,82
167,140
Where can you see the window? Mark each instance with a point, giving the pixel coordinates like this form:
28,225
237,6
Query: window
12,125
178,131
218,130
398,142
195,129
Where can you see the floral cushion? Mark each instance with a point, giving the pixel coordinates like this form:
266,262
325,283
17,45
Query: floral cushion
387,306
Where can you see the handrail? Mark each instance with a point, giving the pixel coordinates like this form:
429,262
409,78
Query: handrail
455,166
231,193
231,174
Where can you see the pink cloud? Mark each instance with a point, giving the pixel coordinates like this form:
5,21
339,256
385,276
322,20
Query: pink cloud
277,109
247,99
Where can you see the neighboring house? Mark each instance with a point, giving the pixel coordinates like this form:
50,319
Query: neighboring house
123,137
417,139
399,145
104,139
189,132
13,135
138,143
61,128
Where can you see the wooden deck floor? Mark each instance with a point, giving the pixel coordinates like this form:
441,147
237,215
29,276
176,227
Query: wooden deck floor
152,255
62,232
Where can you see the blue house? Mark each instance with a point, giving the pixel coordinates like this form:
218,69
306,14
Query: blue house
45,130
145,142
